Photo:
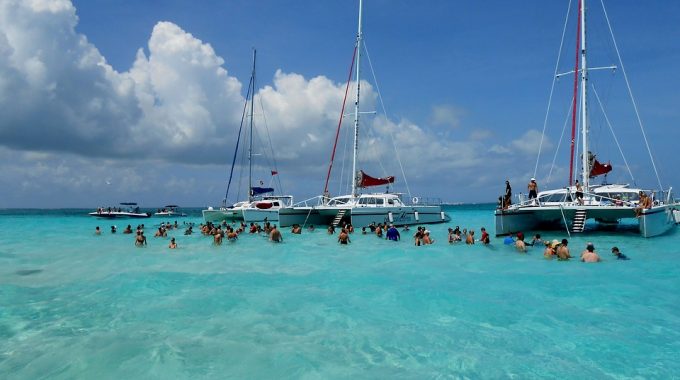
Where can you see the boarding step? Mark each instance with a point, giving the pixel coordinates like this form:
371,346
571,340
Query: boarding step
338,217
579,222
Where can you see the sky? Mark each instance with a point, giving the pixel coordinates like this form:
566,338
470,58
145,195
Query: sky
109,101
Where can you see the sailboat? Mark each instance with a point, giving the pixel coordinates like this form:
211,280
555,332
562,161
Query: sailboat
359,208
261,204
571,206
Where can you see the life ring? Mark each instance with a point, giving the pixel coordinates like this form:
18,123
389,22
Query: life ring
415,200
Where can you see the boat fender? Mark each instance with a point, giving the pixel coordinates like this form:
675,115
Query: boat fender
415,214
415,200
443,215
390,217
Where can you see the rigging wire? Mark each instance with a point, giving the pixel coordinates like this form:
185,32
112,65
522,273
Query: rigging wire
552,88
616,140
273,164
632,99
238,140
559,143
389,131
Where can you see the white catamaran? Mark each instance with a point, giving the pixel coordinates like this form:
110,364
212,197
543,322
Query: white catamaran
259,206
607,204
361,209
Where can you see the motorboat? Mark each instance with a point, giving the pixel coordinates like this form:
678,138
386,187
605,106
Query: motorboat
129,210
171,211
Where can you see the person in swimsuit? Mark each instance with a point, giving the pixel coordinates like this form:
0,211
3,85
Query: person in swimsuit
172,245
533,188
140,239
343,237
579,193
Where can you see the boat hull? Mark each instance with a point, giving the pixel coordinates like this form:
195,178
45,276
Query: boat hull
653,222
363,216
253,215
120,215
224,215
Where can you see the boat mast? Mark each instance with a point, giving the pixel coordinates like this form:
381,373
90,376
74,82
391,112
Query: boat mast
356,107
250,148
585,175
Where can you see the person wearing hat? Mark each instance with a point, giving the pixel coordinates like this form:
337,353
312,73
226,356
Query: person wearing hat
519,244
533,188
549,251
589,255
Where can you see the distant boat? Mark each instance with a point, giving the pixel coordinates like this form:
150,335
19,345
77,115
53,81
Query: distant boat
170,211
130,210
259,206
571,206
362,209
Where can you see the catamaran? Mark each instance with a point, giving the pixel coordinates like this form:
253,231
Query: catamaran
259,206
607,204
357,208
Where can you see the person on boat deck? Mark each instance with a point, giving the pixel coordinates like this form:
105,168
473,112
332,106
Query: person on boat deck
533,188
508,194
563,253
343,237
589,255
618,201
618,254
579,193
172,245
645,203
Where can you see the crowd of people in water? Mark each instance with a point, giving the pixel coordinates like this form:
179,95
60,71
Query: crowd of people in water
552,249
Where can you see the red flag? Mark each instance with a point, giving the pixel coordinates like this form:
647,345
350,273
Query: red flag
274,172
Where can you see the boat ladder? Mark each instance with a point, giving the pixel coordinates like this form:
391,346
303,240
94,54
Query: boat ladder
339,217
579,222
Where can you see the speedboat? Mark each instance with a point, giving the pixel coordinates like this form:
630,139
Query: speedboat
130,210
170,211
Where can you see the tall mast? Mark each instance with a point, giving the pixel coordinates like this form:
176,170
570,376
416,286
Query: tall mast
356,106
250,148
584,114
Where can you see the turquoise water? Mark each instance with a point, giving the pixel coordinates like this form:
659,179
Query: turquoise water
76,305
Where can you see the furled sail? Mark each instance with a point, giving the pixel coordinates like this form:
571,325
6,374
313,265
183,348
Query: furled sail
597,168
365,180
260,190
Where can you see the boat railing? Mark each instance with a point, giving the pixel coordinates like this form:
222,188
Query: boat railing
311,202
589,199
424,201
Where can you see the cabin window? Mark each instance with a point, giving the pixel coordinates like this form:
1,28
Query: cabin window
380,201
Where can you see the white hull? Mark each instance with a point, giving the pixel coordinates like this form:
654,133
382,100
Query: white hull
223,215
119,214
653,222
253,215
363,216
170,214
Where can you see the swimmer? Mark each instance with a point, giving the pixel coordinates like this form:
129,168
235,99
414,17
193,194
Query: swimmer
113,229
485,239
97,231
140,239
519,244
618,254
275,235
296,229
563,253
426,238
589,255
470,238
128,229
172,245
392,233
548,252
343,237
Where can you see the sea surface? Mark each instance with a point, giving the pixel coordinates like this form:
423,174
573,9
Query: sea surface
77,305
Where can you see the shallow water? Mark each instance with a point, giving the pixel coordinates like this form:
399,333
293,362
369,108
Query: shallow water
76,305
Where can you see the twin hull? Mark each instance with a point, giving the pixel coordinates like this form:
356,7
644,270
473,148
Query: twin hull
362,216
653,222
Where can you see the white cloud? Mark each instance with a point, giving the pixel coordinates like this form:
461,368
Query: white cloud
446,115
